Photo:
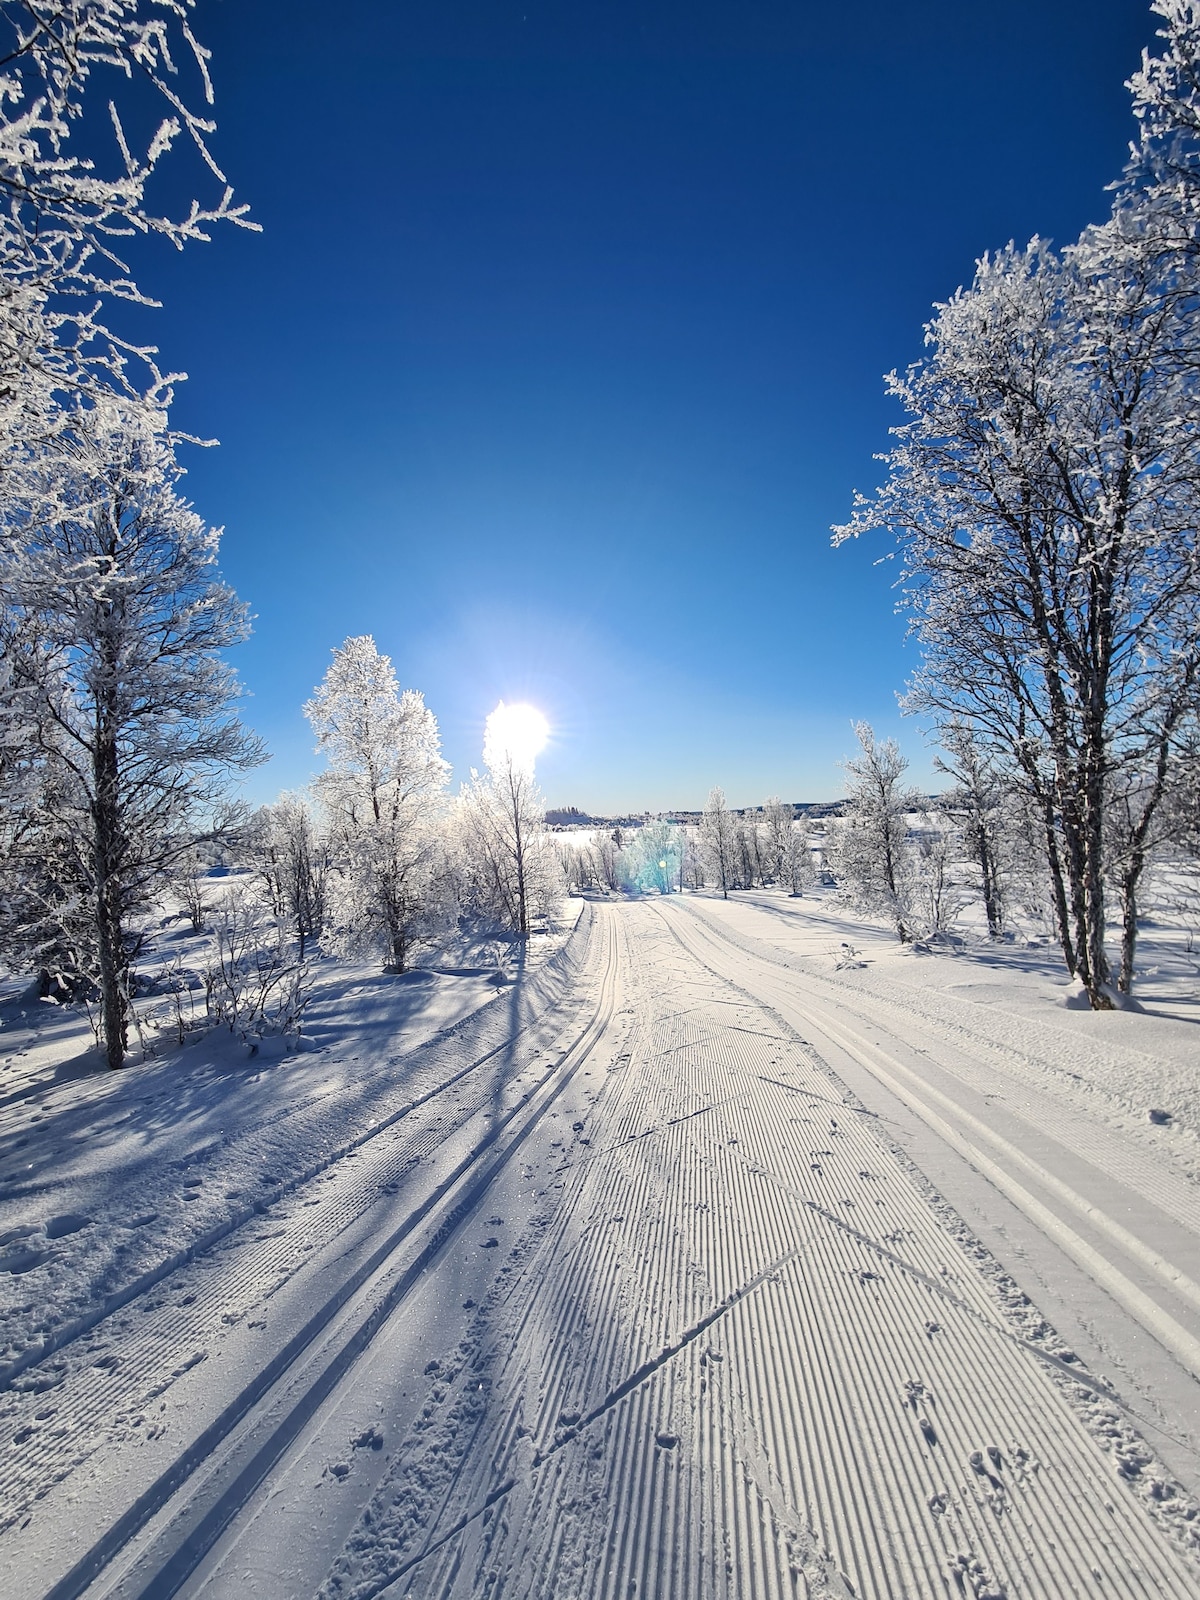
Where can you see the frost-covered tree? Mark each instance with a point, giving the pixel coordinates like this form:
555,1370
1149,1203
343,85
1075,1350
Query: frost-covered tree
292,857
65,210
1163,176
116,681
777,828
1045,492
692,865
606,851
747,853
936,894
870,854
382,794
798,868
718,841
508,866
651,861
979,799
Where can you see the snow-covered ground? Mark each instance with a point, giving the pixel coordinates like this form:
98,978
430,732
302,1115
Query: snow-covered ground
728,1250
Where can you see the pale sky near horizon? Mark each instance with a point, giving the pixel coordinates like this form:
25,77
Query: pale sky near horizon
562,347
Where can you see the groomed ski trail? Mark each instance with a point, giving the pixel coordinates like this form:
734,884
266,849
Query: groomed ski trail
734,1352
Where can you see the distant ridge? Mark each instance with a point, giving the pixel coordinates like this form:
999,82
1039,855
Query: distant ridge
573,817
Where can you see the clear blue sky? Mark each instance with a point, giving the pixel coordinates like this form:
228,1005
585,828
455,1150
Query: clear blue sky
562,348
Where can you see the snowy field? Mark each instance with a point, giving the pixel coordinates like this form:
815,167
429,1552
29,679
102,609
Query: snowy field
728,1249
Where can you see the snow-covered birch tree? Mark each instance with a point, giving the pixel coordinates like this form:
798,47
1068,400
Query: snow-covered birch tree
116,682
291,855
1045,492
382,794
870,855
508,865
652,859
65,210
718,841
778,819
799,870
1046,496
979,799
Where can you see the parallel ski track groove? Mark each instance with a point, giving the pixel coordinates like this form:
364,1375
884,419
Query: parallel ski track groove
805,1422
1175,1193
1157,1319
59,1338
25,1470
849,1381
166,1581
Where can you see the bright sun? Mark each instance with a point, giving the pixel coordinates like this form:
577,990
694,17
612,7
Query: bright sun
516,733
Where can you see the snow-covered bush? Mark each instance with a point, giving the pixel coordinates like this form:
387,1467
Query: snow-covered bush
253,983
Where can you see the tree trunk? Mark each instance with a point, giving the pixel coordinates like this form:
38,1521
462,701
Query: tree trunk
1097,974
1135,865
522,906
991,886
1058,886
109,933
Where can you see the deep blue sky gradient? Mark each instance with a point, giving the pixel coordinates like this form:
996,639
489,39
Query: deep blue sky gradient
562,348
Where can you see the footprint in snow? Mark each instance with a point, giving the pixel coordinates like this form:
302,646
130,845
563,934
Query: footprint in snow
60,1227
14,1234
20,1261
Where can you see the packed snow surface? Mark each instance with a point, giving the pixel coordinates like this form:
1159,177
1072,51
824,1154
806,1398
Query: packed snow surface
726,1249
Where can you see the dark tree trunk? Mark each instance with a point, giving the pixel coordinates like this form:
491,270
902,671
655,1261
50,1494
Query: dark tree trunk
1058,887
109,932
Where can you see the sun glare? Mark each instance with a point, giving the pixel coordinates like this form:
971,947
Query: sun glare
515,733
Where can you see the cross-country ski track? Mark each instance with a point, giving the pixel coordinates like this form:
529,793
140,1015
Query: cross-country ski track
646,1300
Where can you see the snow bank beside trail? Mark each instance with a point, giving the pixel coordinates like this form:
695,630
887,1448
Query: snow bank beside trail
109,1181
1126,1063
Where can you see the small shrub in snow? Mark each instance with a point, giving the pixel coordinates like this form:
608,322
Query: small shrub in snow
253,983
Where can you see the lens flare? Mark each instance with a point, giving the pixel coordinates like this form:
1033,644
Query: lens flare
515,734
